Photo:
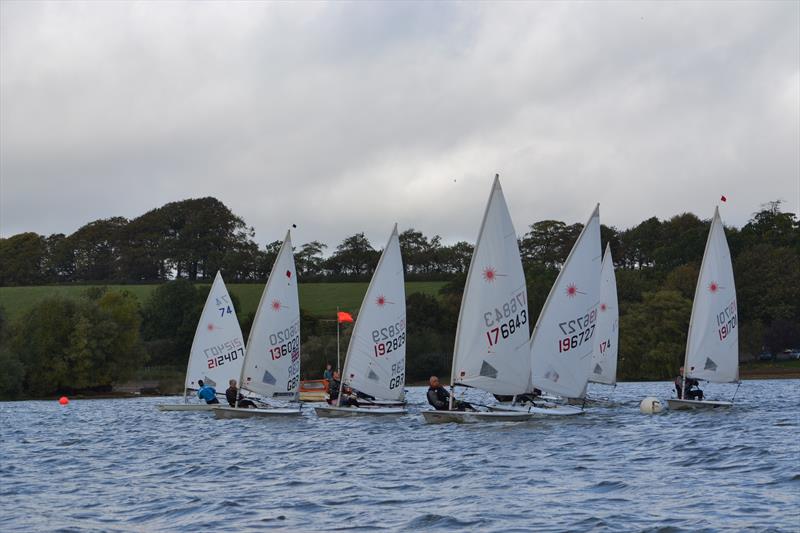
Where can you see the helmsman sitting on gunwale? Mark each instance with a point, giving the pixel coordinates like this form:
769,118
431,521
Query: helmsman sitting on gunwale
439,398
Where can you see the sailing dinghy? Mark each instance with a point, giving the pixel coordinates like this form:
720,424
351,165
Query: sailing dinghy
217,350
562,343
606,337
491,346
375,363
271,366
712,346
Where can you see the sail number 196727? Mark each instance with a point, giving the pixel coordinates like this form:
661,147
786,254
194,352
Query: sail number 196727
578,331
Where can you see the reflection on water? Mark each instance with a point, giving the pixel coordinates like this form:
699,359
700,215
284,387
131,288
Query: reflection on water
122,465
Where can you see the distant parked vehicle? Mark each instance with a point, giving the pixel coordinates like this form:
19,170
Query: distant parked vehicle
765,356
789,353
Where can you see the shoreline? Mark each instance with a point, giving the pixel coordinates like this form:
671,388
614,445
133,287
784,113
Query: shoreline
746,374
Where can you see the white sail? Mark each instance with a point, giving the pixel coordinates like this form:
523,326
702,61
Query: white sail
272,361
376,356
491,340
712,347
606,335
218,346
563,338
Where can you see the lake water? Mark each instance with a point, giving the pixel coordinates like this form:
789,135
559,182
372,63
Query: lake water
109,465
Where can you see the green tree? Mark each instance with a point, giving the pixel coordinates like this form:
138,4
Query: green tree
310,261
22,259
169,321
13,374
97,249
355,256
652,336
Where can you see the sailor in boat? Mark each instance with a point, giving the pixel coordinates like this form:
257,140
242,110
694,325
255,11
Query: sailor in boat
439,398
233,394
690,394
529,397
328,374
207,392
334,390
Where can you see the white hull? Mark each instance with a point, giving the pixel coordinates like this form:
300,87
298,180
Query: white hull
240,412
331,411
382,403
678,405
440,417
542,410
186,407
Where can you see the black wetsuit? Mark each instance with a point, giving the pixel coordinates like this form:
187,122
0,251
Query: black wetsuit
690,394
439,398
333,394
232,394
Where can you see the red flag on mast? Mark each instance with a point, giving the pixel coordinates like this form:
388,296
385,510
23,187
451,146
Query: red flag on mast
723,198
344,317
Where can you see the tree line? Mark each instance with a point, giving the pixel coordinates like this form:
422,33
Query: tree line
657,265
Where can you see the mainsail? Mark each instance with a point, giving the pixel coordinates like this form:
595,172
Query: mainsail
376,355
491,340
218,347
272,360
563,339
712,348
606,336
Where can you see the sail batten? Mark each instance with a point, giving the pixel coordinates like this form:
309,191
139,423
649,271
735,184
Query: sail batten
376,354
712,345
272,360
490,352
562,341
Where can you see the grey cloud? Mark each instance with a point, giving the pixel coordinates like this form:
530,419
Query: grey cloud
346,117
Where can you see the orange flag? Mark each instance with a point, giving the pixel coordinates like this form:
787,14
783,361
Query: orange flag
344,317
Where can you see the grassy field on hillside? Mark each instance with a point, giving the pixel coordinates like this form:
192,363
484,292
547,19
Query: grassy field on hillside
317,298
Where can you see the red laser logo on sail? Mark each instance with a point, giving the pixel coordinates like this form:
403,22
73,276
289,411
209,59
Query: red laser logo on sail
603,307
489,274
210,327
381,300
572,290
713,287
276,305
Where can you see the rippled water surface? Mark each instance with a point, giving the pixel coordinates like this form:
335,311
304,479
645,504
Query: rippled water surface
122,465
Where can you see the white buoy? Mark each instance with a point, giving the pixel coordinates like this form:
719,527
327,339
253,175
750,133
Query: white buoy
651,406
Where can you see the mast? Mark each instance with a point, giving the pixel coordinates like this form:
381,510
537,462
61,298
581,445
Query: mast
495,186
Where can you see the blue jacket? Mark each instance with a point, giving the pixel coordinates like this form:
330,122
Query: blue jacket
207,393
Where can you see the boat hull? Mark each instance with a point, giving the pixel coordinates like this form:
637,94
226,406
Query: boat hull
546,410
441,417
331,411
185,407
241,412
683,405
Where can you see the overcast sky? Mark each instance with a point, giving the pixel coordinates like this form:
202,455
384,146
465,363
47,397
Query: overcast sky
347,117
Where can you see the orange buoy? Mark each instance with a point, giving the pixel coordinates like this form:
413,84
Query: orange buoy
63,400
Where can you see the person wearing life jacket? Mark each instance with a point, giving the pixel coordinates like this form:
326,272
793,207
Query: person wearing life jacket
233,394
334,390
207,393
439,398
690,394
